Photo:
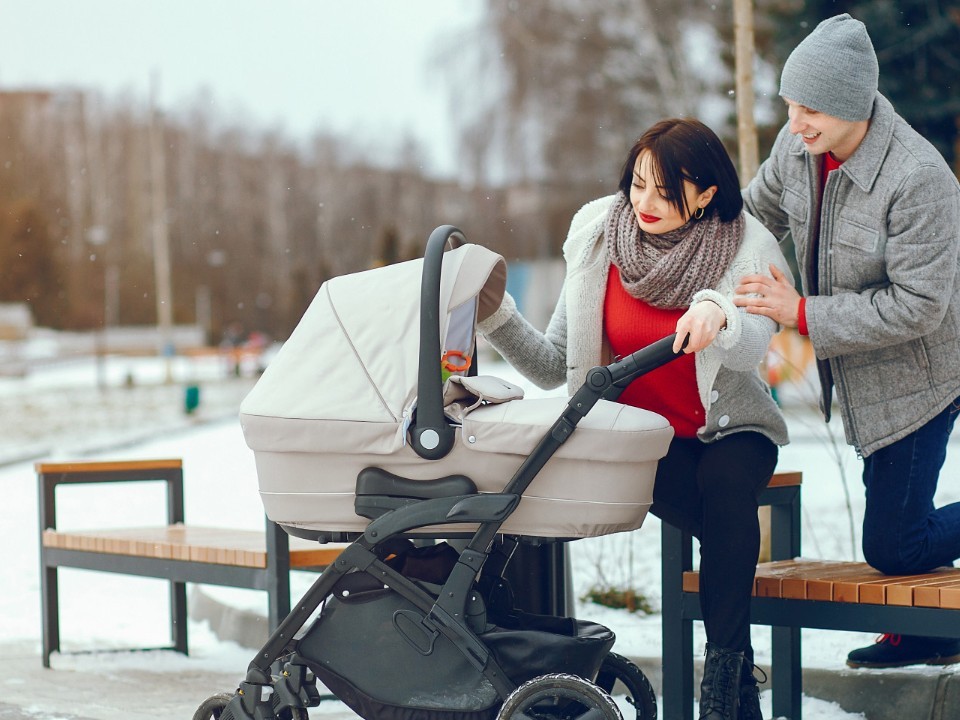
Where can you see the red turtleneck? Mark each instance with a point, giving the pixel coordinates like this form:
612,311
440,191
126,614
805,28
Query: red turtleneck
671,390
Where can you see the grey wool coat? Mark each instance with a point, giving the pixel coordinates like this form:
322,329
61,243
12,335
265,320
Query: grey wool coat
734,396
885,322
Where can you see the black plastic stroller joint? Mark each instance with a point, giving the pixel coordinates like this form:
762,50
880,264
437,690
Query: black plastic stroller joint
431,436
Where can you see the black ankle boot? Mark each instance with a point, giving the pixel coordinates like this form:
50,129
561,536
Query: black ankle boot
749,692
720,689
750,702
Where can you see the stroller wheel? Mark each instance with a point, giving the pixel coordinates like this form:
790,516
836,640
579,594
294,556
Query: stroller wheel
212,707
559,697
640,692
293,713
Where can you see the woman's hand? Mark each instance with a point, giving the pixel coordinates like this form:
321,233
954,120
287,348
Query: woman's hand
701,322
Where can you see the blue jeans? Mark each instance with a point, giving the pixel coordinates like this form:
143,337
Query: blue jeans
903,533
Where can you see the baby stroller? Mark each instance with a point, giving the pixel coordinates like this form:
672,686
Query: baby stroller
365,431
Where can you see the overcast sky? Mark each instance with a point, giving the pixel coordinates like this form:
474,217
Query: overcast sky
347,65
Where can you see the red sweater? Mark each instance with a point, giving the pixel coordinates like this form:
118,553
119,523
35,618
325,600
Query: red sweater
829,164
671,390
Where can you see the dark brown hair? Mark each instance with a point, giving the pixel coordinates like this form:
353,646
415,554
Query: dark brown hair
686,149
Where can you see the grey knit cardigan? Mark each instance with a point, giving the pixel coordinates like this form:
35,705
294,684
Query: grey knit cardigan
734,396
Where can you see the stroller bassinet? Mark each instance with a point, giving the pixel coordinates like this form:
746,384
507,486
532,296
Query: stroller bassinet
340,394
357,437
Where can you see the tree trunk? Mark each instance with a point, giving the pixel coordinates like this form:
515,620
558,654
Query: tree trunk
743,60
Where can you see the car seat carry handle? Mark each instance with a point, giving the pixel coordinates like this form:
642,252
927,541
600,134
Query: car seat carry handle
431,436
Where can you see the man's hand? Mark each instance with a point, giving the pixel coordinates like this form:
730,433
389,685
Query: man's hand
701,322
776,298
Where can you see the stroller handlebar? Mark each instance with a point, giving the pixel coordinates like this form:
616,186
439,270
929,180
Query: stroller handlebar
628,369
609,381
602,383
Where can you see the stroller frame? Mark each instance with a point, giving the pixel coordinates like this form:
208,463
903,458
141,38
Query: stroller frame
278,682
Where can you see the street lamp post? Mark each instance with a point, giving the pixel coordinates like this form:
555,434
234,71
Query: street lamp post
216,260
97,236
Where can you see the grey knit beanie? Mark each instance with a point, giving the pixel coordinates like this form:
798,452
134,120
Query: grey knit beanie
833,70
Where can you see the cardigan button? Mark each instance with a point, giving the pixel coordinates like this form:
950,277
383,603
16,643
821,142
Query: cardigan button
714,395
723,421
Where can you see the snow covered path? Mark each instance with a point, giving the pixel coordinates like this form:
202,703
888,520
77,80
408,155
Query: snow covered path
68,417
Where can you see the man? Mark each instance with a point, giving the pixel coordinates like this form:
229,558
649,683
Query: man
874,213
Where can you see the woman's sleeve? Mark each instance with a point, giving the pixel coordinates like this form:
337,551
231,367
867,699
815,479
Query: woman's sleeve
742,345
541,357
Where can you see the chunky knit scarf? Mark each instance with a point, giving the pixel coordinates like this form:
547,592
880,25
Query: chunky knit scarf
666,270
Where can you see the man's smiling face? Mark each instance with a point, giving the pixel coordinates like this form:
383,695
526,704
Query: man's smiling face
822,133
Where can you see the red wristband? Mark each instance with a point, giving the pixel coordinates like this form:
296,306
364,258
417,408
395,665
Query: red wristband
802,317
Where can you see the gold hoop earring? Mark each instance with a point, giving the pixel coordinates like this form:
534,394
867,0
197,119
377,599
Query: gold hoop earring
698,213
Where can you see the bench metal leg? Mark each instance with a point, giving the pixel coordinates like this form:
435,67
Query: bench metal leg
278,574
786,673
676,558
50,601
178,616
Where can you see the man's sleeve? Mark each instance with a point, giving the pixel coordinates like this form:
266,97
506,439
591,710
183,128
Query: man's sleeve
762,196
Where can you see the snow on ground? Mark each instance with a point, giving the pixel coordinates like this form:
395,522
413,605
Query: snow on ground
60,414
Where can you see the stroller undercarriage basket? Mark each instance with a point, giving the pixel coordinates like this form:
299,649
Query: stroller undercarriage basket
381,655
354,440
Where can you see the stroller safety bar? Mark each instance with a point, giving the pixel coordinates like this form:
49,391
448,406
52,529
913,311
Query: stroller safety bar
377,481
490,508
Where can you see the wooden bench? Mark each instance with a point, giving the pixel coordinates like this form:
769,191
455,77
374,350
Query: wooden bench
177,552
792,593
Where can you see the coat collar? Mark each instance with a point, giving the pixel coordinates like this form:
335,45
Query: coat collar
864,165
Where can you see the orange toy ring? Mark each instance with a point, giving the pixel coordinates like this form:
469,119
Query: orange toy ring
450,367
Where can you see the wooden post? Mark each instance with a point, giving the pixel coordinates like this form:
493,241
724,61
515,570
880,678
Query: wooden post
743,68
748,151
161,240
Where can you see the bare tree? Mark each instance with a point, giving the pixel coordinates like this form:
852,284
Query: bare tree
579,81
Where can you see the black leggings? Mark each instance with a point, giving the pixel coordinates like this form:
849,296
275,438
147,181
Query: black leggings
711,491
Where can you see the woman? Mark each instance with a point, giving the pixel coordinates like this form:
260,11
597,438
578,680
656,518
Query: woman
661,256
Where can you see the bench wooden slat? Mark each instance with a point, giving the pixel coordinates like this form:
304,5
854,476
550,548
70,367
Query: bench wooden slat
796,582
50,468
786,478
821,587
848,582
246,548
929,595
903,593
874,592
950,597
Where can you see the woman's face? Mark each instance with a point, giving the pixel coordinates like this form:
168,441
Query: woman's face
653,212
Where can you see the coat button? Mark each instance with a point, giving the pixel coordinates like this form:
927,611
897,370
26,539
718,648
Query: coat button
723,421
714,395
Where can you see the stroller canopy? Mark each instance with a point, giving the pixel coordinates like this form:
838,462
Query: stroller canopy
347,377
